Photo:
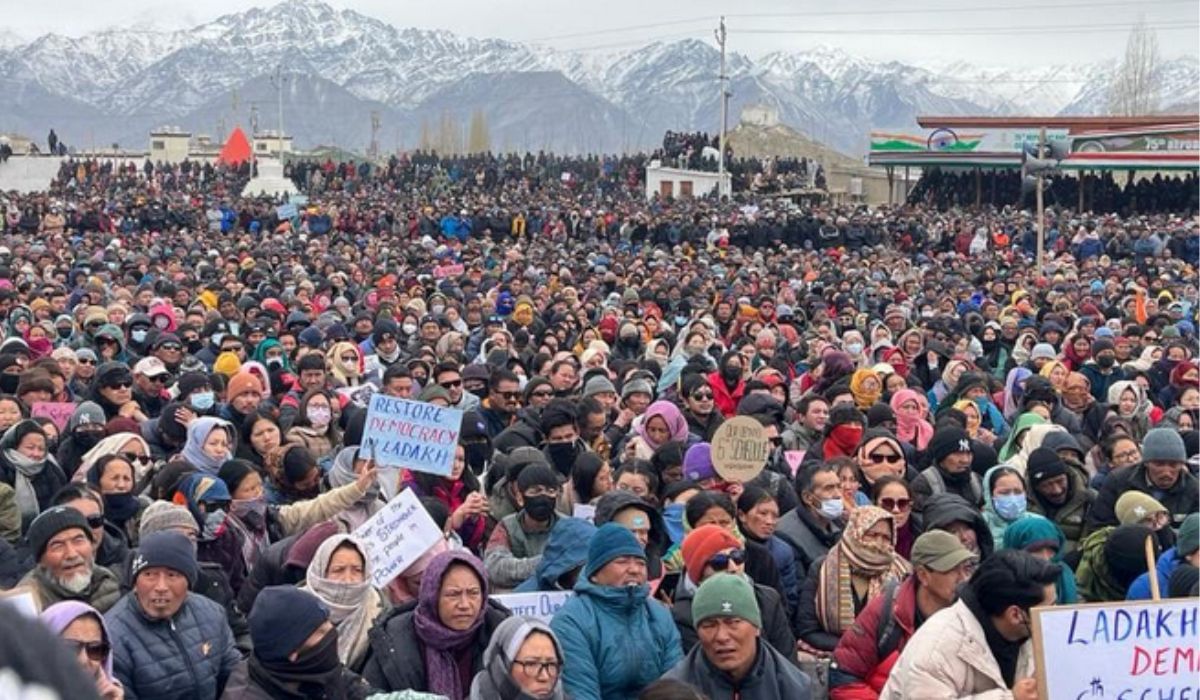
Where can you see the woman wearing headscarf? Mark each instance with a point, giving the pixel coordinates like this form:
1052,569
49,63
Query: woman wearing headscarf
1014,391
945,386
316,424
523,661
867,387
1128,400
911,409
83,630
1042,538
209,444
436,645
1005,499
345,362
345,470
29,470
131,446
661,423
1056,372
856,570
340,576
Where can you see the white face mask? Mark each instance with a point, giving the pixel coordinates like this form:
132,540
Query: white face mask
833,508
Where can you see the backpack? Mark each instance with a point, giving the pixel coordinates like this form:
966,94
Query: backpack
887,632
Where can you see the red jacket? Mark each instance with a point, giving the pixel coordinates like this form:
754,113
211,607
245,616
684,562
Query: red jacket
857,653
726,400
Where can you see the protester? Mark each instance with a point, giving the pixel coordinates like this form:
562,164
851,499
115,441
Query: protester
82,628
339,576
731,659
63,548
522,660
981,643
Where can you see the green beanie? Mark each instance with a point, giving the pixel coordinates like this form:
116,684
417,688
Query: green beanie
725,595
1189,536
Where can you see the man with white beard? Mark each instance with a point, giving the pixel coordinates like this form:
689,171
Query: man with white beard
60,540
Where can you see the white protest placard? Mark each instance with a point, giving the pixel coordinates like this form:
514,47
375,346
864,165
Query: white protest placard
23,600
397,536
358,395
286,211
1125,650
541,605
584,511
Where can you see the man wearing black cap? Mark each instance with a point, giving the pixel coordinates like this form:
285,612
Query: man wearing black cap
950,457
516,545
167,641
1102,370
295,652
60,540
1059,492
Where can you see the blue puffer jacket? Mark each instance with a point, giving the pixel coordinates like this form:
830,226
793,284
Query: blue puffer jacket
188,657
615,641
565,550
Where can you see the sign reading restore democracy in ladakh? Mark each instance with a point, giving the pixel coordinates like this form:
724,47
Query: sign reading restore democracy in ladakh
1128,650
411,435
397,536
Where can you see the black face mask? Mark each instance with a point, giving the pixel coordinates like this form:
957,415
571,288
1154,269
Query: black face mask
120,507
87,439
477,455
731,373
562,456
1106,361
195,346
9,382
540,508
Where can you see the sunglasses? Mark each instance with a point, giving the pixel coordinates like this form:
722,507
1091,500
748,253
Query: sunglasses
234,348
703,396
95,521
721,561
96,651
451,385
542,394
133,457
86,362
170,347
160,378
120,384
890,458
895,504
349,358
510,395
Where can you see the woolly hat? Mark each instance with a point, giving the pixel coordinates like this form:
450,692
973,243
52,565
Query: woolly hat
234,472
701,545
1188,540
243,383
946,441
1125,552
536,475
610,541
1044,464
1163,445
227,363
1134,506
1042,351
637,386
698,464
598,384
170,550
281,620
1101,344
51,522
725,595
161,516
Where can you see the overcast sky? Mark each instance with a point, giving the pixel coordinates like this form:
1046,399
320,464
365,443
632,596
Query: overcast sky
981,31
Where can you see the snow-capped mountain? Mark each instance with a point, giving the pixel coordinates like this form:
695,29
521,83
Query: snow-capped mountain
342,65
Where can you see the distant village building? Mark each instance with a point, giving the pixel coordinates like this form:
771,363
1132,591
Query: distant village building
760,115
268,143
679,183
170,144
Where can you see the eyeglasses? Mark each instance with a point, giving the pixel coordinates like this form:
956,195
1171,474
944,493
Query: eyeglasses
721,561
160,378
1131,455
233,348
890,458
134,457
451,385
510,395
1150,338
96,651
95,521
895,504
533,667
703,396
170,347
540,394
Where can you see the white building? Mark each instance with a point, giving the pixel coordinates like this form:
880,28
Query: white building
268,143
680,183
170,144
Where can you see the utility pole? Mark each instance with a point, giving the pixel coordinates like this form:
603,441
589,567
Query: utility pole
722,189
1041,220
373,149
278,80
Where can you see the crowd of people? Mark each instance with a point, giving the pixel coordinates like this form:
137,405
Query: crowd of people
955,436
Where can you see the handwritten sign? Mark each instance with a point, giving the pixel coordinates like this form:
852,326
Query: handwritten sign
287,211
739,449
397,536
1127,649
59,412
541,605
443,271
411,435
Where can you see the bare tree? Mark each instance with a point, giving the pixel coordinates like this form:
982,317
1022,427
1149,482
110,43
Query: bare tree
478,139
1135,88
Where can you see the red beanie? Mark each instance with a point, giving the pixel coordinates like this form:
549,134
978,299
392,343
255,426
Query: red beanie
701,545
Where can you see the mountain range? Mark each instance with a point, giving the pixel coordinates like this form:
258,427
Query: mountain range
338,67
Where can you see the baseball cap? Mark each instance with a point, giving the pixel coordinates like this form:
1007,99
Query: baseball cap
150,367
939,550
